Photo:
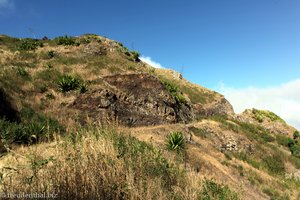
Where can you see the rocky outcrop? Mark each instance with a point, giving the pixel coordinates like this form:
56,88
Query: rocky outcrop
273,125
219,106
135,99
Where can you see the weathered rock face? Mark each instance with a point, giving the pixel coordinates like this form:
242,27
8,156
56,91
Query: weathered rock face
95,49
133,100
220,106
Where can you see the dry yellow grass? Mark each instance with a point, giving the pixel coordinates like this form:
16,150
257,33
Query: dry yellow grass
205,160
97,164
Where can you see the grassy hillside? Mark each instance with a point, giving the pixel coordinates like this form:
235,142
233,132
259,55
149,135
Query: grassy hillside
56,149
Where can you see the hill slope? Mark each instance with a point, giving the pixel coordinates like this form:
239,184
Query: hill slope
90,96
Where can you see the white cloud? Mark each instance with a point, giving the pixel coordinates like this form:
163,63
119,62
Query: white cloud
149,61
7,4
283,100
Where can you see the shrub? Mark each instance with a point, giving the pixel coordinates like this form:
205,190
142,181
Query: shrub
51,54
66,40
67,83
85,40
274,164
50,96
295,150
294,146
283,140
120,44
275,195
29,44
83,88
175,141
242,155
28,131
43,88
296,135
22,72
135,55
212,190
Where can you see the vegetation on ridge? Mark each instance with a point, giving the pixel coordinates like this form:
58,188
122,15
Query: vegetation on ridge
260,115
41,79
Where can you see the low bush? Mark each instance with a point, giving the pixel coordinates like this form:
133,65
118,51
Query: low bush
135,55
296,135
275,195
242,155
212,190
283,140
29,44
66,40
51,54
294,146
50,96
31,129
274,164
83,88
295,150
22,72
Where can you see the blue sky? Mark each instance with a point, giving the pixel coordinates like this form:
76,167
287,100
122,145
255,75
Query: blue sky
222,44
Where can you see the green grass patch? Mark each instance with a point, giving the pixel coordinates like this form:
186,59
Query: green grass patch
275,195
282,140
196,96
66,41
199,132
260,115
174,91
242,155
274,164
31,128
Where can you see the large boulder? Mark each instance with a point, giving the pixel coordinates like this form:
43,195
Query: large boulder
135,99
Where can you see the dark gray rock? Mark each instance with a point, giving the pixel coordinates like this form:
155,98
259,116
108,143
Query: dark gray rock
136,99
